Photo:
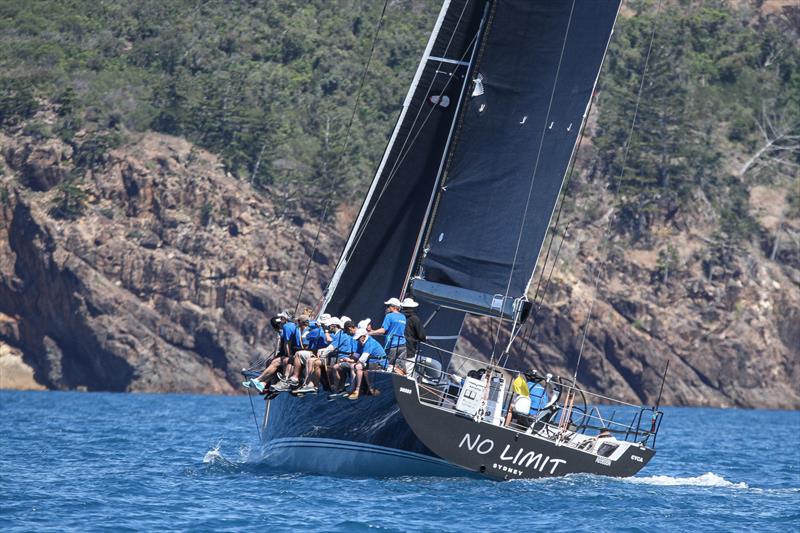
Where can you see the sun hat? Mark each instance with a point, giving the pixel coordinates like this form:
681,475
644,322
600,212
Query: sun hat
409,303
361,332
393,301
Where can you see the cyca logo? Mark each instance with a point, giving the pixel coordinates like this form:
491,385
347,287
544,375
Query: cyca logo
637,458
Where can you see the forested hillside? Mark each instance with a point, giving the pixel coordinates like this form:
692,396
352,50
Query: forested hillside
699,215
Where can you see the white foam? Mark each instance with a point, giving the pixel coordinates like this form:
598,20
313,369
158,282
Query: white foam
213,455
709,479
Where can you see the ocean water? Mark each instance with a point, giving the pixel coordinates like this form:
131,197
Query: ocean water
142,462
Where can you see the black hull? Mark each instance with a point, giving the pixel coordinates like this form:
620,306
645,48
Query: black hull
365,437
501,453
393,434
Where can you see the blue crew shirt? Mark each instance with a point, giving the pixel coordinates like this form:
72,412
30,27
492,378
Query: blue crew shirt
395,325
287,331
316,338
538,397
300,338
376,352
343,343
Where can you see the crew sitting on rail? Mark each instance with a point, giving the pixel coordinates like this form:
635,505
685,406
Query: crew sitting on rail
525,407
369,354
317,339
393,327
285,327
300,353
342,347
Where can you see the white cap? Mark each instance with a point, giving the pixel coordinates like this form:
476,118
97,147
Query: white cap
284,314
334,321
345,319
364,323
409,303
360,332
393,301
324,319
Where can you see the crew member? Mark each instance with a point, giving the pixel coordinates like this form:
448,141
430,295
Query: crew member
300,352
414,334
286,328
393,327
368,351
344,345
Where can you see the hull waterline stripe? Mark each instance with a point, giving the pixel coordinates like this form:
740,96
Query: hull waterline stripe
289,442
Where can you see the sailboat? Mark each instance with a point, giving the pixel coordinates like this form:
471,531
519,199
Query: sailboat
456,216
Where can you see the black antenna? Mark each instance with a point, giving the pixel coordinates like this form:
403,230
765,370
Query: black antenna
663,378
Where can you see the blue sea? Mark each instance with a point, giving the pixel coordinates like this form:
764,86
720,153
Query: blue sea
145,462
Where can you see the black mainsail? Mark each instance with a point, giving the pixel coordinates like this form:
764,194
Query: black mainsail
533,81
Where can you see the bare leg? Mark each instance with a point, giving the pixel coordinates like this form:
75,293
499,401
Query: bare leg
359,376
270,371
316,372
298,367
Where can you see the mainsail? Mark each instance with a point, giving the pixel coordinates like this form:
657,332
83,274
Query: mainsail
532,83
470,178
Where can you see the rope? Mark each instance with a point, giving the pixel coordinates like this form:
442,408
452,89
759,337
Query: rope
255,419
615,184
344,149
533,177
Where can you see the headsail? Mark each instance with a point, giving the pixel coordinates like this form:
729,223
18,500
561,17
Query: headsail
531,86
376,257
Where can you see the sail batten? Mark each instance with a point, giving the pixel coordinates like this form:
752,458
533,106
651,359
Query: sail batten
538,68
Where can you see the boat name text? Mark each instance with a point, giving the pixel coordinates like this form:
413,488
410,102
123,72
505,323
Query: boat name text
522,458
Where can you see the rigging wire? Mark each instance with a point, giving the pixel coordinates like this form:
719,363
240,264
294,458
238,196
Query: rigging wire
533,180
615,185
344,149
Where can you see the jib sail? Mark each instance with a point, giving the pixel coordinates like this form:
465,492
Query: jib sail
375,261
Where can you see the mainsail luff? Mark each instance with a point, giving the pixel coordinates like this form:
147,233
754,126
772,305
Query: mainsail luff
536,81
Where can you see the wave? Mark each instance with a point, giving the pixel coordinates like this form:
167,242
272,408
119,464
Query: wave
709,479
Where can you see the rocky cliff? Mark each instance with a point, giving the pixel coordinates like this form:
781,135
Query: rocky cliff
165,275
165,282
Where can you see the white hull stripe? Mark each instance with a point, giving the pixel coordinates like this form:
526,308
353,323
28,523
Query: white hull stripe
304,442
